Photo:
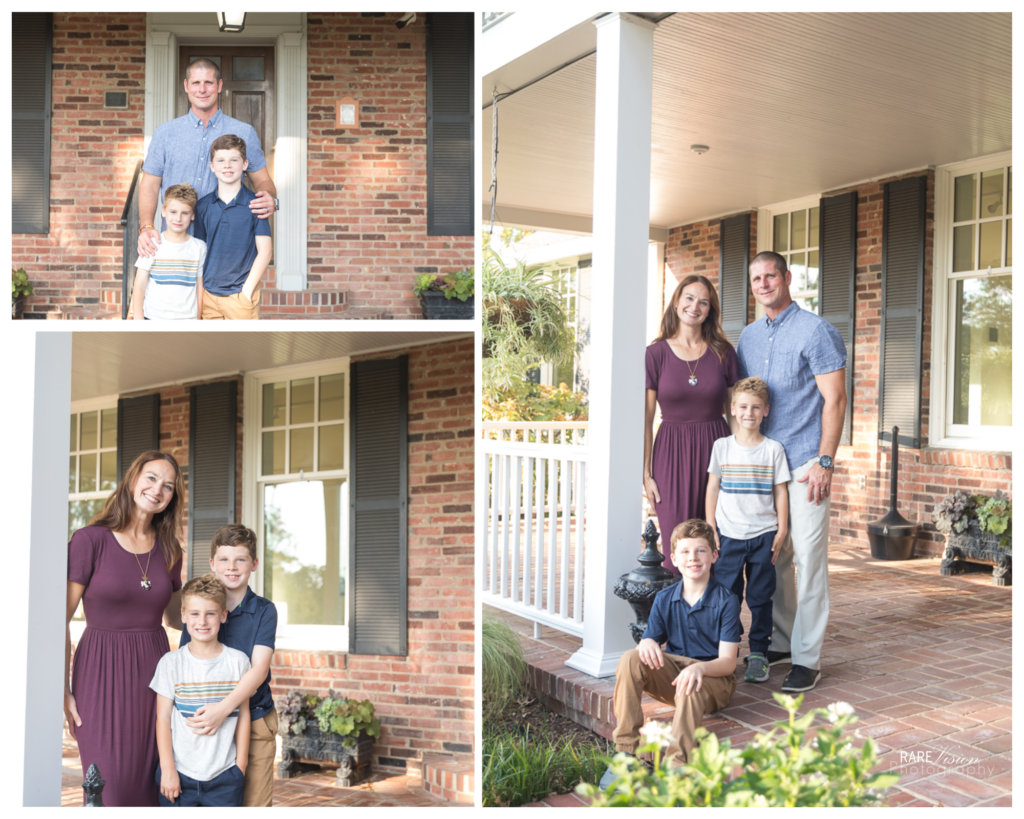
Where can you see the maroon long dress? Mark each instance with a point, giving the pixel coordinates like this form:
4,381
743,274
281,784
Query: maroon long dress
115,660
691,422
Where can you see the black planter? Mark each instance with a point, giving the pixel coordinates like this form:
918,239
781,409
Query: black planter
16,308
312,748
967,551
435,306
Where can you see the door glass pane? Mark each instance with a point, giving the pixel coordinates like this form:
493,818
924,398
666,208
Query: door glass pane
273,404
89,432
815,215
108,436
72,473
332,447
74,433
332,397
108,470
781,237
273,453
963,248
982,361
302,401
81,512
991,245
87,483
963,198
247,68
304,551
799,229
991,193
302,449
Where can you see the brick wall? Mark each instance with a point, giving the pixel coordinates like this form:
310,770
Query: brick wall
926,475
93,155
368,186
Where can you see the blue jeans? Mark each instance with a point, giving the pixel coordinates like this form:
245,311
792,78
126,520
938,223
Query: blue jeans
223,791
754,559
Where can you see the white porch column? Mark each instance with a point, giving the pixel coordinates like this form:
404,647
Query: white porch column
37,564
161,80
290,161
622,195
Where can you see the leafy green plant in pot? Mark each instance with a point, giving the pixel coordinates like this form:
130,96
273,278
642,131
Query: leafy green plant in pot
20,288
995,515
456,288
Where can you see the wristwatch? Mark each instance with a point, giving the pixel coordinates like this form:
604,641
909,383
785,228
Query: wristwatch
277,205
825,462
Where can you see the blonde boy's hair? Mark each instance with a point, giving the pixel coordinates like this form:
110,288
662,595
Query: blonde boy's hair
694,528
207,587
234,534
751,386
183,193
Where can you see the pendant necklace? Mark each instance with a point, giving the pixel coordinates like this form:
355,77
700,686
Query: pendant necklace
693,369
146,583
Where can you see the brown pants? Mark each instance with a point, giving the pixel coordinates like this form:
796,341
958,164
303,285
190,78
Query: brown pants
259,775
235,306
633,678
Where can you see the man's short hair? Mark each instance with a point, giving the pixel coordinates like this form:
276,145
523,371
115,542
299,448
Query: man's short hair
207,587
771,256
226,143
202,62
234,534
751,386
183,193
693,528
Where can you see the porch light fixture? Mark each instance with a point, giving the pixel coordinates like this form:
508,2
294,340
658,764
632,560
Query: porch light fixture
699,149
233,21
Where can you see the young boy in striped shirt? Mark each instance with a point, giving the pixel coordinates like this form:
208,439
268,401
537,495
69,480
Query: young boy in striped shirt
747,472
200,770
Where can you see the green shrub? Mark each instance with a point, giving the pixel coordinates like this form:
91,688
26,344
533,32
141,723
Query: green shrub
526,401
503,669
781,768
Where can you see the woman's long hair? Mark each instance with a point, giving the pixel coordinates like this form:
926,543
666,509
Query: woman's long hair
117,512
711,329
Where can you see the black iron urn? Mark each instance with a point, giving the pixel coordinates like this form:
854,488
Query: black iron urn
639,587
893,537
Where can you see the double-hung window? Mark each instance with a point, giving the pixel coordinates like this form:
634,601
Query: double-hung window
565,278
92,463
792,229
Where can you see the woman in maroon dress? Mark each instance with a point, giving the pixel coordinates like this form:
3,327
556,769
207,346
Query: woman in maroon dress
125,567
691,367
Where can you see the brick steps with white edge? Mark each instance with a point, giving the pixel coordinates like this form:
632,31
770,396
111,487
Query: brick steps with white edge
449,778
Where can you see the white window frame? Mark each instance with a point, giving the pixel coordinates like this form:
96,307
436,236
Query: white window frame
941,433
565,267
766,231
294,637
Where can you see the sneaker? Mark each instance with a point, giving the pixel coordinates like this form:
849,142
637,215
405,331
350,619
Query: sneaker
775,658
608,777
757,668
801,678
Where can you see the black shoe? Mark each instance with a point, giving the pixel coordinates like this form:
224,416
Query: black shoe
775,658
801,678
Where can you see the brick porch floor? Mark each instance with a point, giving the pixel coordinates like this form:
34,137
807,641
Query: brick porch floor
925,660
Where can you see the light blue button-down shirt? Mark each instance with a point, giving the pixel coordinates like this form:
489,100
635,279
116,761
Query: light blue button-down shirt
180,152
787,354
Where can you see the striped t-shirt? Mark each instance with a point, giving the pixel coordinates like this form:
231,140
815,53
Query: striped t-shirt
191,682
173,271
746,505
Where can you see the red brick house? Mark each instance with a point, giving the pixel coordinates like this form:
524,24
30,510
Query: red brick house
365,206
350,454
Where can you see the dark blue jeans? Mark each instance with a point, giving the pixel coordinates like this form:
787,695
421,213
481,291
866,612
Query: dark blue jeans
752,558
223,791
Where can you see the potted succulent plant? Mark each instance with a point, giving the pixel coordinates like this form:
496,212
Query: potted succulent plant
446,297
979,530
326,731
19,289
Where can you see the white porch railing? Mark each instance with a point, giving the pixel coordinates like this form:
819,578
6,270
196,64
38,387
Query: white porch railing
532,482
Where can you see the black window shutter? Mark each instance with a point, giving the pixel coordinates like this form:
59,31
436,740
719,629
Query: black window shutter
899,390
32,54
212,449
836,282
450,71
138,429
733,274
378,540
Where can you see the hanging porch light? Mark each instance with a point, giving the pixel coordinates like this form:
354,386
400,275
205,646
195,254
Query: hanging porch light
233,21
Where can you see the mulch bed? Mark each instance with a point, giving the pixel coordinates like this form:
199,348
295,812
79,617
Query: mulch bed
529,713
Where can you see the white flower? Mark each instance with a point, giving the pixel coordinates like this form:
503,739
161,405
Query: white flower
656,732
839,709
759,801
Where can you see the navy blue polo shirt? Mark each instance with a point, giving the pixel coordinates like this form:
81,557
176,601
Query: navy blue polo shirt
229,230
695,631
252,623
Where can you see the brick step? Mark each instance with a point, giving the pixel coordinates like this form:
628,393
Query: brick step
448,778
350,314
89,313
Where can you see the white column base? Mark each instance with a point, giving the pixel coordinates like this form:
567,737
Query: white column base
594,664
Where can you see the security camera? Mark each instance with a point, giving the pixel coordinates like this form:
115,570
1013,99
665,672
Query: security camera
410,17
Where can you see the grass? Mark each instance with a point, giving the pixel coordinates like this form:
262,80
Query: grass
503,670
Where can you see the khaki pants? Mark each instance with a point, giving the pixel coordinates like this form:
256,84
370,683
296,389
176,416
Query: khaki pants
259,775
633,678
235,306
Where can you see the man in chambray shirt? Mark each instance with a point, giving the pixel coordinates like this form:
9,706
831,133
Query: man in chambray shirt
802,358
180,152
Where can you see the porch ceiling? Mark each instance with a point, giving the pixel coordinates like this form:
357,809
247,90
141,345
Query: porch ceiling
790,104
115,363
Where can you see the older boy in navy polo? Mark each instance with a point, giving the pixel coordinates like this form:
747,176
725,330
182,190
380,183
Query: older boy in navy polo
250,627
238,244
698,621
